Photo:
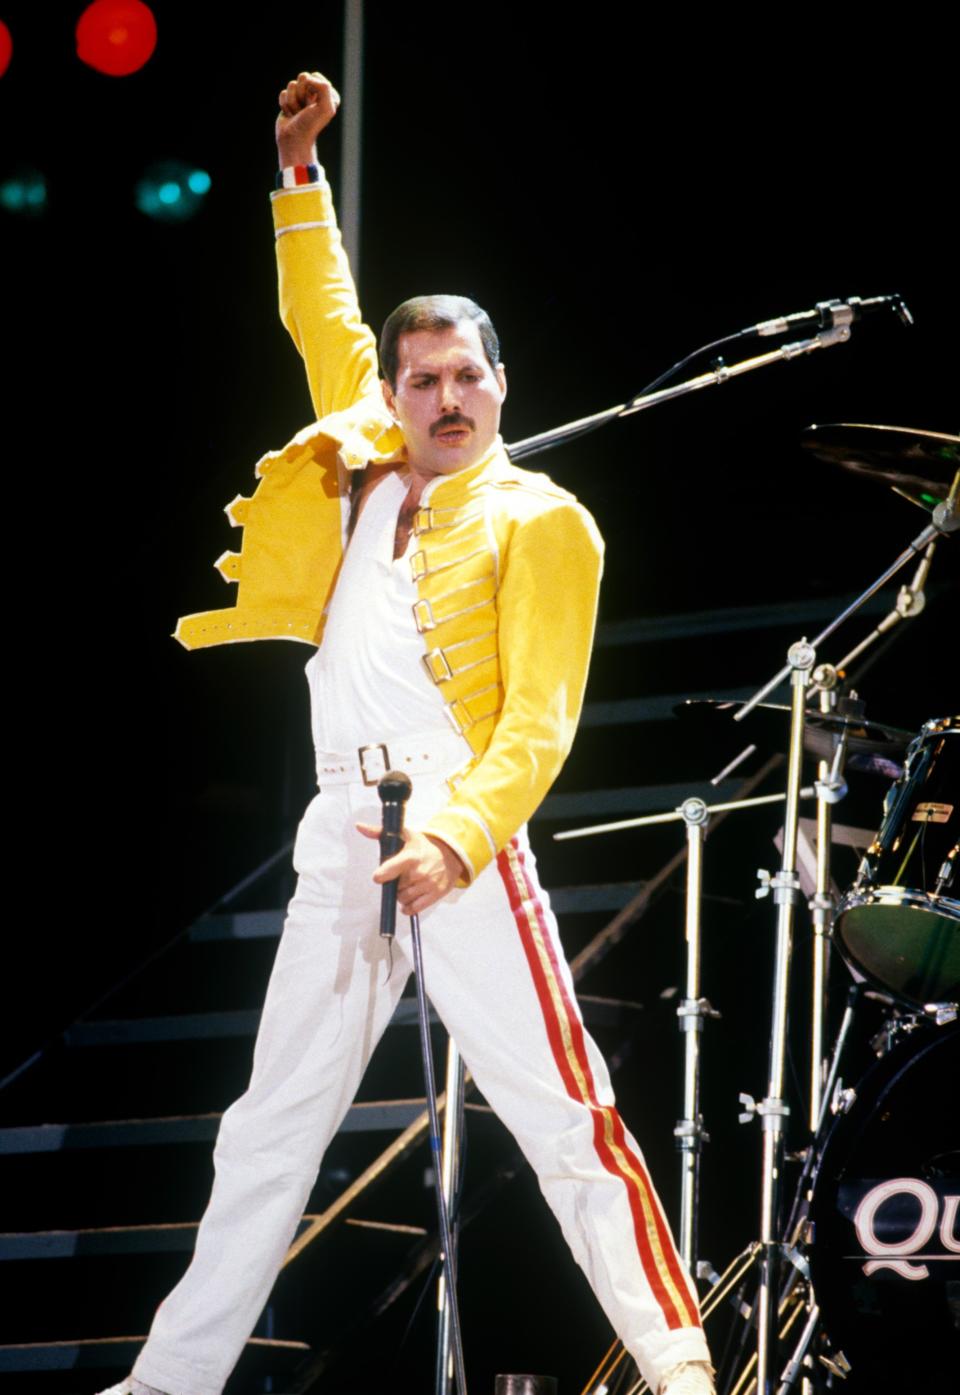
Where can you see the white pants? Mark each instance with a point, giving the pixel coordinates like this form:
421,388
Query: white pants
497,977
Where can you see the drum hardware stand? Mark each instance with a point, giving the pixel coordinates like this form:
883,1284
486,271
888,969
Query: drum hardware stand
836,1363
788,1314
794,1365
693,1009
900,1024
773,1109
919,544
834,1100
830,788
896,1027
854,994
691,1012
910,603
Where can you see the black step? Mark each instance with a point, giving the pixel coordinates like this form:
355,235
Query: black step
371,1116
101,1353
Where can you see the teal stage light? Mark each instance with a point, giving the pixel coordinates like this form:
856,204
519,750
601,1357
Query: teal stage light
172,191
24,193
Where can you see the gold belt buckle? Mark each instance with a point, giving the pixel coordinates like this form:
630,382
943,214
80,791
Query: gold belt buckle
362,757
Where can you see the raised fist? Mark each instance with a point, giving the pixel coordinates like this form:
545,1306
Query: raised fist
307,105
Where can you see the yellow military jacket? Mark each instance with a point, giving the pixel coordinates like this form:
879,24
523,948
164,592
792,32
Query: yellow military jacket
507,564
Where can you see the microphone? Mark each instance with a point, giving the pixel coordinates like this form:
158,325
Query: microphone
830,314
394,790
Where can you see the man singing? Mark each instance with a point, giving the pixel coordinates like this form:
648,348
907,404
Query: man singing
395,534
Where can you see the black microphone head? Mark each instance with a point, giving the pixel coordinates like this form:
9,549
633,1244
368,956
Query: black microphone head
394,787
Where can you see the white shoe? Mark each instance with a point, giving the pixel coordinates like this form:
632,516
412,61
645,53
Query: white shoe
689,1378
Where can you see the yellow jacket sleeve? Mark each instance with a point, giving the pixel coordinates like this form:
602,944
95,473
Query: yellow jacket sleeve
318,300
545,630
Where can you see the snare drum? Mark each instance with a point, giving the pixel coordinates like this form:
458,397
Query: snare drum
899,925
885,1250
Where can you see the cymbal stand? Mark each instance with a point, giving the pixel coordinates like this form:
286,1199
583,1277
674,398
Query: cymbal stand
785,887
691,1012
693,1009
911,599
914,549
830,789
773,1110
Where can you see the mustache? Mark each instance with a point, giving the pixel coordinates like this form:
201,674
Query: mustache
451,419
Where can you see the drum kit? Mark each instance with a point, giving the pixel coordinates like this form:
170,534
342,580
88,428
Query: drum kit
853,1281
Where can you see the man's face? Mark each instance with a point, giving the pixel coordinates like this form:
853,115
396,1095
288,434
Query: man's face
447,398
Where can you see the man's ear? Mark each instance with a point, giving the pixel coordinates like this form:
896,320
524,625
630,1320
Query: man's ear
389,398
501,373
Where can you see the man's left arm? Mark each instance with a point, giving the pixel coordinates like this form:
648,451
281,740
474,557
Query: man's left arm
545,641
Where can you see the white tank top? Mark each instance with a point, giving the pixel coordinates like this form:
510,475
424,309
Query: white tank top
367,680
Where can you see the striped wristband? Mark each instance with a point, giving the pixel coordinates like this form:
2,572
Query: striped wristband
292,176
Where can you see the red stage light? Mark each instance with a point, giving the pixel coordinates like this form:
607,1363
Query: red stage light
116,37
6,48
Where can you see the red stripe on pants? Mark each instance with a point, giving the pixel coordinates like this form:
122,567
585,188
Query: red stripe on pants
549,986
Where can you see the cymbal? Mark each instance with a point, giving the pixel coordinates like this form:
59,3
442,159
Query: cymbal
919,464
875,747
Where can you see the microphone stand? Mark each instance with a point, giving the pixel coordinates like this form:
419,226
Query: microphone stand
450,1325
394,789
453,1122
531,445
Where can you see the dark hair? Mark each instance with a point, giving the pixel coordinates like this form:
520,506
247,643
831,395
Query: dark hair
433,312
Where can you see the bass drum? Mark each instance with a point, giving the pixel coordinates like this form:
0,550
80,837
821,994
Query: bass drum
899,925
885,1249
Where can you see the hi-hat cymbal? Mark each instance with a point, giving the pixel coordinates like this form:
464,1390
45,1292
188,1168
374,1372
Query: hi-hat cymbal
920,464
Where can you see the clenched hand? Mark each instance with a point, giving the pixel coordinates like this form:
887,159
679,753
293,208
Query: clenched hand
307,105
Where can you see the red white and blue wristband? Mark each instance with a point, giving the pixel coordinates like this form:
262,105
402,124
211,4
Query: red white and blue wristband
300,179
293,176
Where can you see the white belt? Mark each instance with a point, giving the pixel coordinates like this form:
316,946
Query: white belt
436,752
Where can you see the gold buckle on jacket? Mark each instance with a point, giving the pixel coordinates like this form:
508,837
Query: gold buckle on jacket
423,616
437,665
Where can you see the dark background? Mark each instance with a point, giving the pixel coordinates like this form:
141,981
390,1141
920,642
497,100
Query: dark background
616,188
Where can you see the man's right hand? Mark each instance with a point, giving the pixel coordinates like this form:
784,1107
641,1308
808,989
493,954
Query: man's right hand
307,105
